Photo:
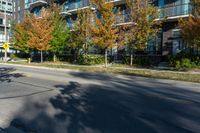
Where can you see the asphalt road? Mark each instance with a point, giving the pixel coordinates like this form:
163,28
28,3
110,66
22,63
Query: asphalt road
34,100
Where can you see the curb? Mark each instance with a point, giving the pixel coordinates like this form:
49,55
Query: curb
41,67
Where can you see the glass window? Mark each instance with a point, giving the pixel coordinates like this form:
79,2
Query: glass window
161,3
154,44
176,33
1,21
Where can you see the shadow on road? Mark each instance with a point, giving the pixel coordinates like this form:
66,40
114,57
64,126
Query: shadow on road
6,74
116,106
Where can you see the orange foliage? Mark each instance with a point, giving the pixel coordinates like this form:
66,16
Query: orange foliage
41,31
143,26
190,28
104,34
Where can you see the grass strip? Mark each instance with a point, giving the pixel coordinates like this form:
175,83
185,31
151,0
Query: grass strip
173,75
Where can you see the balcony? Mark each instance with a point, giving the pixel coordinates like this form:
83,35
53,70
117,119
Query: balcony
123,19
175,11
70,7
116,2
6,6
36,3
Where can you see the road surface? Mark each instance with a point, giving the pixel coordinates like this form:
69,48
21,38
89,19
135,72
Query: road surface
37,100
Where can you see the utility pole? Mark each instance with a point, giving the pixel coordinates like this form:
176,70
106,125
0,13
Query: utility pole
5,30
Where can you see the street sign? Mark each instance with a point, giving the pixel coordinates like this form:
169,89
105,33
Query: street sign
6,46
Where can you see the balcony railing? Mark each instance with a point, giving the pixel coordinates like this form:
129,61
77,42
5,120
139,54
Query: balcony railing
123,18
75,5
176,10
36,1
33,3
114,0
6,6
170,11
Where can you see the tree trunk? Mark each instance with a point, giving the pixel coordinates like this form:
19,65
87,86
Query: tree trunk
131,62
77,54
86,48
54,57
41,53
106,57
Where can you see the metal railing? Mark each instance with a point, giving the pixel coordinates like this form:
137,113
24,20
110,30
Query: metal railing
75,5
123,18
30,2
34,1
169,11
176,10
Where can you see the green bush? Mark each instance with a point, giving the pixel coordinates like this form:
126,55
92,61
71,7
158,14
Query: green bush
143,61
126,60
90,59
138,61
185,60
186,63
178,64
13,56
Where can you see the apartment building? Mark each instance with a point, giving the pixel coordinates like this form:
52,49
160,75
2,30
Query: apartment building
19,10
35,6
168,41
5,19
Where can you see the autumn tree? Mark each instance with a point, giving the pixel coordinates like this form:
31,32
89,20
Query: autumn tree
196,5
60,33
80,32
143,26
41,32
190,28
104,33
20,36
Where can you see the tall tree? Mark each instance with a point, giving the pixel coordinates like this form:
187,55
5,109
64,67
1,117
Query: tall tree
60,31
190,28
143,26
41,32
196,5
104,34
20,35
80,32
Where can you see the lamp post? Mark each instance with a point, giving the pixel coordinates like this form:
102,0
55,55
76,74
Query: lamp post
5,30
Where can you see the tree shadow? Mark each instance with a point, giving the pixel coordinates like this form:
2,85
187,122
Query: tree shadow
138,108
6,74
93,108
121,106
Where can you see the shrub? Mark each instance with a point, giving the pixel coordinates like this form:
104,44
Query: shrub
90,59
138,61
126,60
143,61
13,56
186,63
184,60
178,64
